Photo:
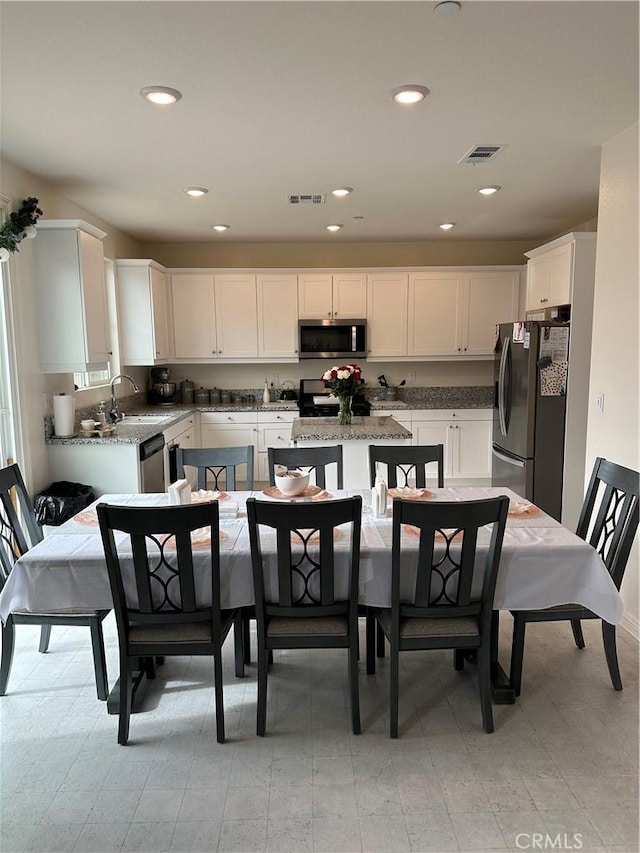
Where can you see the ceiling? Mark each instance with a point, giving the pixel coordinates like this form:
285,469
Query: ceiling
284,98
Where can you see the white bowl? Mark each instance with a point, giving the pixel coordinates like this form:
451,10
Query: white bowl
292,483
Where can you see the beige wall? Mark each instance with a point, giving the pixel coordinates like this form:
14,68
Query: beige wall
615,434
300,255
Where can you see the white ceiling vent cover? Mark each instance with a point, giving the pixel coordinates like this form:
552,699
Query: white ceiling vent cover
306,198
482,153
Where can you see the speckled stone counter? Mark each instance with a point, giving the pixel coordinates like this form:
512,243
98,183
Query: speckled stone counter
372,428
438,397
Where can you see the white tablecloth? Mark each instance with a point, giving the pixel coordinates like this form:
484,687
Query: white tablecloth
543,563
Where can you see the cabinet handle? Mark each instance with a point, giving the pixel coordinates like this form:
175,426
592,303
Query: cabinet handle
229,418
465,349
328,313
219,352
459,349
453,415
278,418
157,352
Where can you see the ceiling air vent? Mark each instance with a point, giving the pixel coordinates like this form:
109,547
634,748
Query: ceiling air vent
481,153
308,198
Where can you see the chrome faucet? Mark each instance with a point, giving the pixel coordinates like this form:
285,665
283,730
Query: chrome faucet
115,414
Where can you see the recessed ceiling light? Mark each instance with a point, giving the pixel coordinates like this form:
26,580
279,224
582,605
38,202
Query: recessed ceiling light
410,94
334,227
220,227
161,95
489,190
447,226
196,191
342,191
447,7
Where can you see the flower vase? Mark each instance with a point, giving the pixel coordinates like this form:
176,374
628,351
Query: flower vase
345,413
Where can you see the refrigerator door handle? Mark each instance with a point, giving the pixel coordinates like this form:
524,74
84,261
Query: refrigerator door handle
501,386
508,459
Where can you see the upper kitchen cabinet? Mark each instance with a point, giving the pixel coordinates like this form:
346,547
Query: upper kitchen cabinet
214,316
194,315
71,296
277,316
338,296
454,313
558,270
387,315
143,313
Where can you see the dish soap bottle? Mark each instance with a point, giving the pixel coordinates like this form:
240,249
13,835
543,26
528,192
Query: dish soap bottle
266,396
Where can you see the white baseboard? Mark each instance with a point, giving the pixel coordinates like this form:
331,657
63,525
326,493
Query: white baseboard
630,625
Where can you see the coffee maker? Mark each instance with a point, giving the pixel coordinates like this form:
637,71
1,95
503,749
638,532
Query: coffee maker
161,392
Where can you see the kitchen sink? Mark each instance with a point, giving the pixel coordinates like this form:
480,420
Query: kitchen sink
143,419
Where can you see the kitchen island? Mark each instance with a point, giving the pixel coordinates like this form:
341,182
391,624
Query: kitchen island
355,439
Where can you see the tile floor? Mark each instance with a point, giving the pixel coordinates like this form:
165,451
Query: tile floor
562,763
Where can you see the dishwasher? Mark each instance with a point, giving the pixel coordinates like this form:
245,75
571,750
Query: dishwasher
152,464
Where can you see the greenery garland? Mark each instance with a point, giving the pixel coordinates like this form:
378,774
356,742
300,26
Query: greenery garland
19,225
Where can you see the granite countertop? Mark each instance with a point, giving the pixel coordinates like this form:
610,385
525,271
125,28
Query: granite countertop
361,429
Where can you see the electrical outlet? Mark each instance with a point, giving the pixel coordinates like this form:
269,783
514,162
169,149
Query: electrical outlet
600,402
48,404
411,376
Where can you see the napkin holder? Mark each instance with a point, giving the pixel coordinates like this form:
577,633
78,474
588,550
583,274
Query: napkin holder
180,492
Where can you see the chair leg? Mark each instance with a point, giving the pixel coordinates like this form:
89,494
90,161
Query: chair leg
517,653
576,627
371,622
99,659
238,644
246,637
394,679
124,710
484,677
353,682
263,668
8,637
458,659
45,636
217,683
380,642
609,640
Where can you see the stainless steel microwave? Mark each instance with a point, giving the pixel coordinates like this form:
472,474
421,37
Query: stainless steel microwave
338,339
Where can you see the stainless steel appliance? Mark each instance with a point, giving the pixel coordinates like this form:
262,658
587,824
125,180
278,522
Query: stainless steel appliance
152,464
314,401
345,339
531,359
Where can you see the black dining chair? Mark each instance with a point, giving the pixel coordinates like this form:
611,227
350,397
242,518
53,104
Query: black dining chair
312,602
406,461
312,459
434,605
216,462
608,521
19,532
154,588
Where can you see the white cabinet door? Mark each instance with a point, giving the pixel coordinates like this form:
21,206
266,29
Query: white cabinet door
490,298
387,314
315,299
142,312
236,316
472,442
349,296
435,313
561,275
537,283
71,301
277,316
435,432
194,315
160,311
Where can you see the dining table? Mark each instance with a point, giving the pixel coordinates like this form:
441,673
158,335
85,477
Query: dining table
542,562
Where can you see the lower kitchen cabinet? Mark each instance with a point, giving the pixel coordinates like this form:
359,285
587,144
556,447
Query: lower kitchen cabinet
107,468
274,430
229,429
466,436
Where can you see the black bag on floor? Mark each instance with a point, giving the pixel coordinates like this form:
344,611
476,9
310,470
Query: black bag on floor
61,501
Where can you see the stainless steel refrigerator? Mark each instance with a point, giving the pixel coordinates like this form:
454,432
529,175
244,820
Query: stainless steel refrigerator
530,378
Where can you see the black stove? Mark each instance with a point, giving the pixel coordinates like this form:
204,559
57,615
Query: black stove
312,406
